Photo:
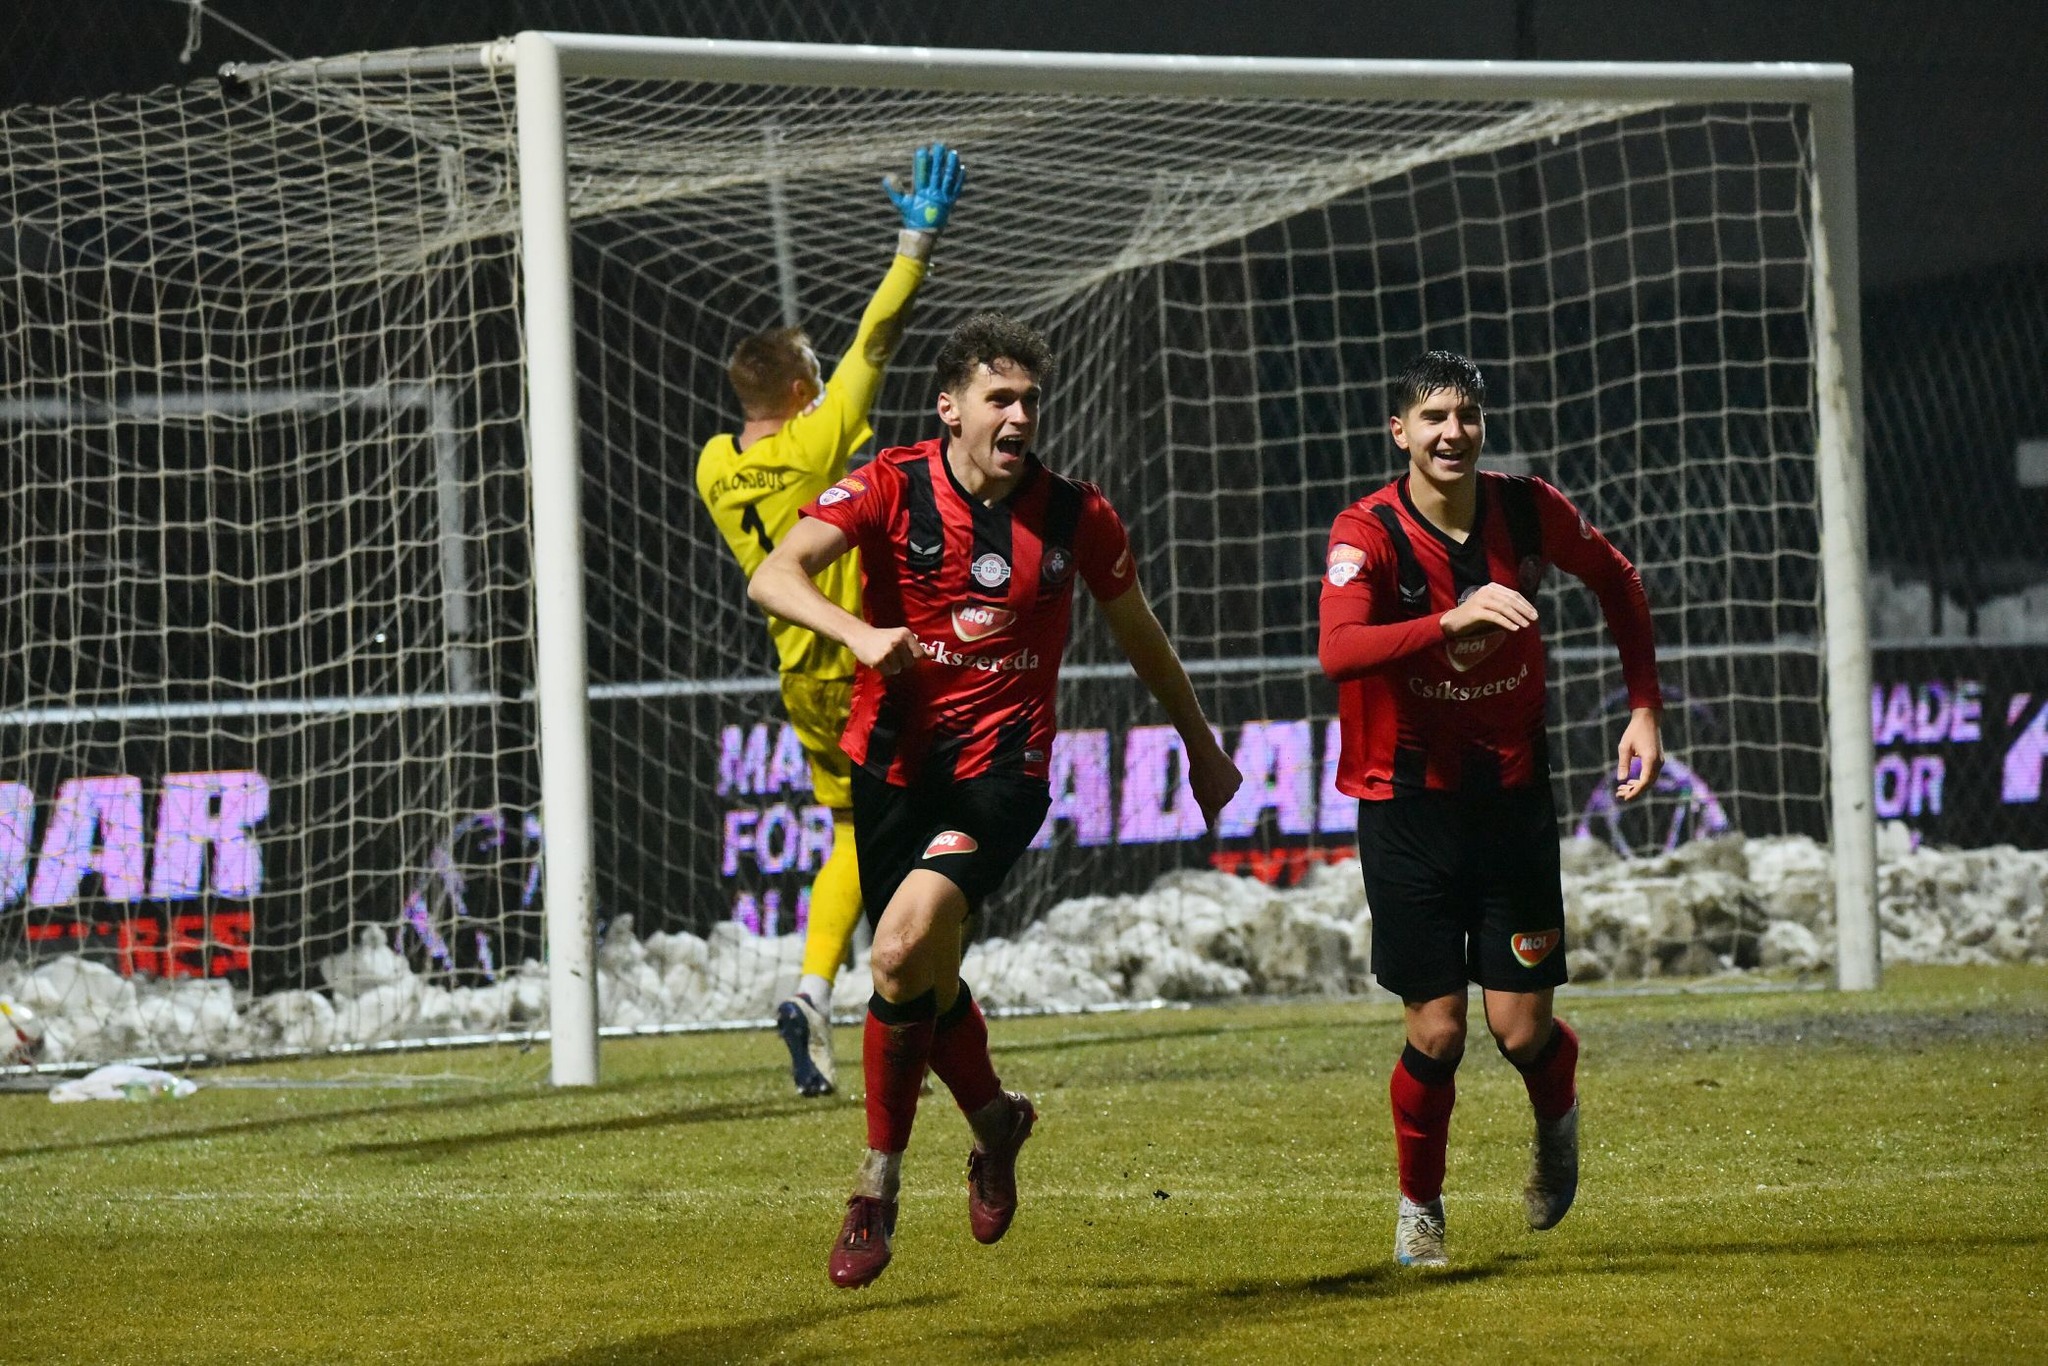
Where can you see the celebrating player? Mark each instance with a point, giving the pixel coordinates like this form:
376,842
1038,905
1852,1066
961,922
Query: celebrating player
1429,629
970,548
795,443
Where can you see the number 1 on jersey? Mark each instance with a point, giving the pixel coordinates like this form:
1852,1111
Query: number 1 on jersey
750,520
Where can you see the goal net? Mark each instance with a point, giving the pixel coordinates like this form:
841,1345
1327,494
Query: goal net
271,659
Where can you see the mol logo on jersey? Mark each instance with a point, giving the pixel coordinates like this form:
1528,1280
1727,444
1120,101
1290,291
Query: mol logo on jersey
972,621
1466,652
1531,949
951,842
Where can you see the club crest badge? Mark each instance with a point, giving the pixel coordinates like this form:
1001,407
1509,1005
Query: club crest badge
973,621
1345,562
951,842
1531,949
1530,572
1058,563
991,570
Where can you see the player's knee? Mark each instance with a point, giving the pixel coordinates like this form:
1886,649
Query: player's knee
894,960
1437,1027
1521,1039
1440,1036
901,960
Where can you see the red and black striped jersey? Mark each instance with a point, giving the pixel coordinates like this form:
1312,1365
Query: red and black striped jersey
988,589
1419,711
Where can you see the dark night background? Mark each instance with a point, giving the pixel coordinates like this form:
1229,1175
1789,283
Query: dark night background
1951,98
1951,102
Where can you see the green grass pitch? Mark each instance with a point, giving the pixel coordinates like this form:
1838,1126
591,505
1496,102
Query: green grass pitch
1785,1176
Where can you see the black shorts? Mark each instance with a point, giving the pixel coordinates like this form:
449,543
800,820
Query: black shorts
970,830
1463,887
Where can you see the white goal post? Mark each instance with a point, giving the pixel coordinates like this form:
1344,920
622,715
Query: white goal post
542,60
417,623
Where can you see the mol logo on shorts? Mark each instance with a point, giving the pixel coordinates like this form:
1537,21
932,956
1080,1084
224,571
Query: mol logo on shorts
951,842
973,621
1531,949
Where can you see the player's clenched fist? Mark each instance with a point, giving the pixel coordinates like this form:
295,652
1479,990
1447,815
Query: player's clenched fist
887,649
1214,779
1492,607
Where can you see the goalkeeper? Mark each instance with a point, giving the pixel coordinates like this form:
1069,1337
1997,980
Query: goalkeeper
796,440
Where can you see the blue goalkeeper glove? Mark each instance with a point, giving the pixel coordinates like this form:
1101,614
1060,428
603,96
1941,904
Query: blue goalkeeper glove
936,176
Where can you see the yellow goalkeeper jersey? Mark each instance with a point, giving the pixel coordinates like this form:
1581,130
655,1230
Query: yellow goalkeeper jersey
755,494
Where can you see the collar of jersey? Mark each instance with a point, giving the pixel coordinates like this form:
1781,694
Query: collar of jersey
1031,469
1415,516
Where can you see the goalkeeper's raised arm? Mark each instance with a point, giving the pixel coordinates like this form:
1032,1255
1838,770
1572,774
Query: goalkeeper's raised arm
799,430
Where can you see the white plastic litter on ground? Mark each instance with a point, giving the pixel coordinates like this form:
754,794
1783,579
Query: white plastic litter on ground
1710,908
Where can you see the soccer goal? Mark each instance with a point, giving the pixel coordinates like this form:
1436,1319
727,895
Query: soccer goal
354,402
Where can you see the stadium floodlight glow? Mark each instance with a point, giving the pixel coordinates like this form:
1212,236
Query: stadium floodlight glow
499,593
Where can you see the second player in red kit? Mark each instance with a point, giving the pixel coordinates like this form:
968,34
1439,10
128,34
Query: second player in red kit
1429,628
971,550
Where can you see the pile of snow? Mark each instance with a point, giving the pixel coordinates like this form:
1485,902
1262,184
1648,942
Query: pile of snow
1709,907
1904,608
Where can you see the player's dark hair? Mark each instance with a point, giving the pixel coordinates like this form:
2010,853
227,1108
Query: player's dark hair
764,366
989,338
1431,371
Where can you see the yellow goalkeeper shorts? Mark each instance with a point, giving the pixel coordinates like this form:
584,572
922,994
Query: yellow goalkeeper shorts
817,707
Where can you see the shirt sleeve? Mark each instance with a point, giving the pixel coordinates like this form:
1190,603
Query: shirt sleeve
827,435
1359,574
858,504
1103,547
1574,545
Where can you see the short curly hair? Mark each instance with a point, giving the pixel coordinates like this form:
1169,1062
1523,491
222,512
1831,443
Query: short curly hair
987,339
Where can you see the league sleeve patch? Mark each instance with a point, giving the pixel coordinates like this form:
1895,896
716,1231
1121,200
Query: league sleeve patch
849,487
1345,562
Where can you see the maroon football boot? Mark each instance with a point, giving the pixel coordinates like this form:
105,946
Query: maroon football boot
861,1252
992,1175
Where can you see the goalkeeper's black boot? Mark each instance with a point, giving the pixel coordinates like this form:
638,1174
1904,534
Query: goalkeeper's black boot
807,1033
